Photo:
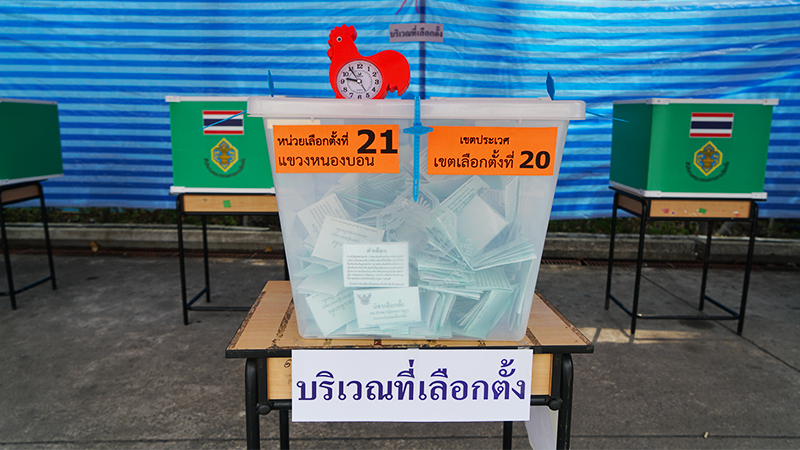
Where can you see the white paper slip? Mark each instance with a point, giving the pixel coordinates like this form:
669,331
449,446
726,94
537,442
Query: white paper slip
459,199
478,224
336,232
314,216
329,283
375,265
332,312
391,306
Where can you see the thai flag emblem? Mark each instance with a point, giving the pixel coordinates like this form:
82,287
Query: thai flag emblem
711,125
234,125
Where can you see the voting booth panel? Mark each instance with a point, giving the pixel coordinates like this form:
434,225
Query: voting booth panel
691,148
216,148
31,141
414,220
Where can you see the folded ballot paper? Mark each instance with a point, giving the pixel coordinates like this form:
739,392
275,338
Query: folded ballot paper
369,261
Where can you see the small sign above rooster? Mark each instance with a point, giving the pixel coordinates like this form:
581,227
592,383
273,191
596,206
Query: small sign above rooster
358,77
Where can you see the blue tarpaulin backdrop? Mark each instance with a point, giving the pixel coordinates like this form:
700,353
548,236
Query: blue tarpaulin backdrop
110,65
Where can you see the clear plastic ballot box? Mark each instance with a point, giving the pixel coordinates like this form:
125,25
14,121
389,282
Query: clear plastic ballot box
691,148
405,220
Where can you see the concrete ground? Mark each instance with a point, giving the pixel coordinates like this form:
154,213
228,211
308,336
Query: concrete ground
106,362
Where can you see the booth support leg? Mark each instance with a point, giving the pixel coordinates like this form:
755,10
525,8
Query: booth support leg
639,261
181,258
47,243
205,260
7,259
706,257
611,248
748,265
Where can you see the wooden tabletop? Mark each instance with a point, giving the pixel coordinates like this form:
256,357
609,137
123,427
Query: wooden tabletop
270,330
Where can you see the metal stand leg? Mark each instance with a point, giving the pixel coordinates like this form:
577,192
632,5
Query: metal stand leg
47,244
7,259
508,430
205,260
251,404
749,264
639,261
181,256
706,256
611,248
284,424
565,413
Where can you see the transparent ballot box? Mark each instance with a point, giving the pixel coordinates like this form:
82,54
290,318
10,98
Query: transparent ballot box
406,219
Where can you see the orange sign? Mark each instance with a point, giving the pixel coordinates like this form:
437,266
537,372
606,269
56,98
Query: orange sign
492,151
336,148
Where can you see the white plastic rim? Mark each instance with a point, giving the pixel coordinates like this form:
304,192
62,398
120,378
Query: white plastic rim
443,108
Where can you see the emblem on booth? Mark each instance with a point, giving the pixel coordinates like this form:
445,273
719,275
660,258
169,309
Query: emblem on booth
224,155
357,77
708,158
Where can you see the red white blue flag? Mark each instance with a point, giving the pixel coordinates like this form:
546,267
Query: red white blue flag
234,125
711,125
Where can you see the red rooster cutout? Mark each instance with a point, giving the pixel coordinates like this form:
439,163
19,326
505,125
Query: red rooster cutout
392,65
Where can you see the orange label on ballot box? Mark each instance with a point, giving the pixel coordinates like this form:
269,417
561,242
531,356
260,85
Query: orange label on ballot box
336,148
491,151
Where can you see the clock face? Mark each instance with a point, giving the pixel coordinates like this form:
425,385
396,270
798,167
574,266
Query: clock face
359,80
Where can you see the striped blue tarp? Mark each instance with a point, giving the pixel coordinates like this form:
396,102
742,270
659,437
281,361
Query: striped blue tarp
111,64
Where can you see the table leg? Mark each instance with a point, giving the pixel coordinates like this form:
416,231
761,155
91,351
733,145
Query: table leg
508,431
611,247
7,259
284,424
251,404
565,412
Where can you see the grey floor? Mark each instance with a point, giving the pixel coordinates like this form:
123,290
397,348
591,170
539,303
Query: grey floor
106,362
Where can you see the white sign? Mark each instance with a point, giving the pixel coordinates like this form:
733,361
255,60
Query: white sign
413,385
375,265
416,32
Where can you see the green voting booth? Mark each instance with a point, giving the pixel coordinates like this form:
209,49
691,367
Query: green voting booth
31,149
30,153
220,166
229,156
691,147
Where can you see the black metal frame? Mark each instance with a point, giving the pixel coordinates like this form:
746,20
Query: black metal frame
188,304
257,403
644,216
6,248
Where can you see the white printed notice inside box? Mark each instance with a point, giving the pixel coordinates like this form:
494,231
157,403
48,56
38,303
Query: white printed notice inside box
383,241
434,385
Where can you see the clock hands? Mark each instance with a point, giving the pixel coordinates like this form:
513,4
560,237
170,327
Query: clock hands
356,79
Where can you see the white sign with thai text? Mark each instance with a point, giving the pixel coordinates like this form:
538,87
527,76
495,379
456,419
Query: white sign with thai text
411,385
416,32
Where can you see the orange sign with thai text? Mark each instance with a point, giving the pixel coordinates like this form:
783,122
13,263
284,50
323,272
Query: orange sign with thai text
336,148
492,151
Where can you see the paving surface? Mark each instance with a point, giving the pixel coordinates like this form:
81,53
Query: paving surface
106,362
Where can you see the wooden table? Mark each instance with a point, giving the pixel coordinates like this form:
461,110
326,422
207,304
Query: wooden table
205,205
682,209
16,193
269,333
